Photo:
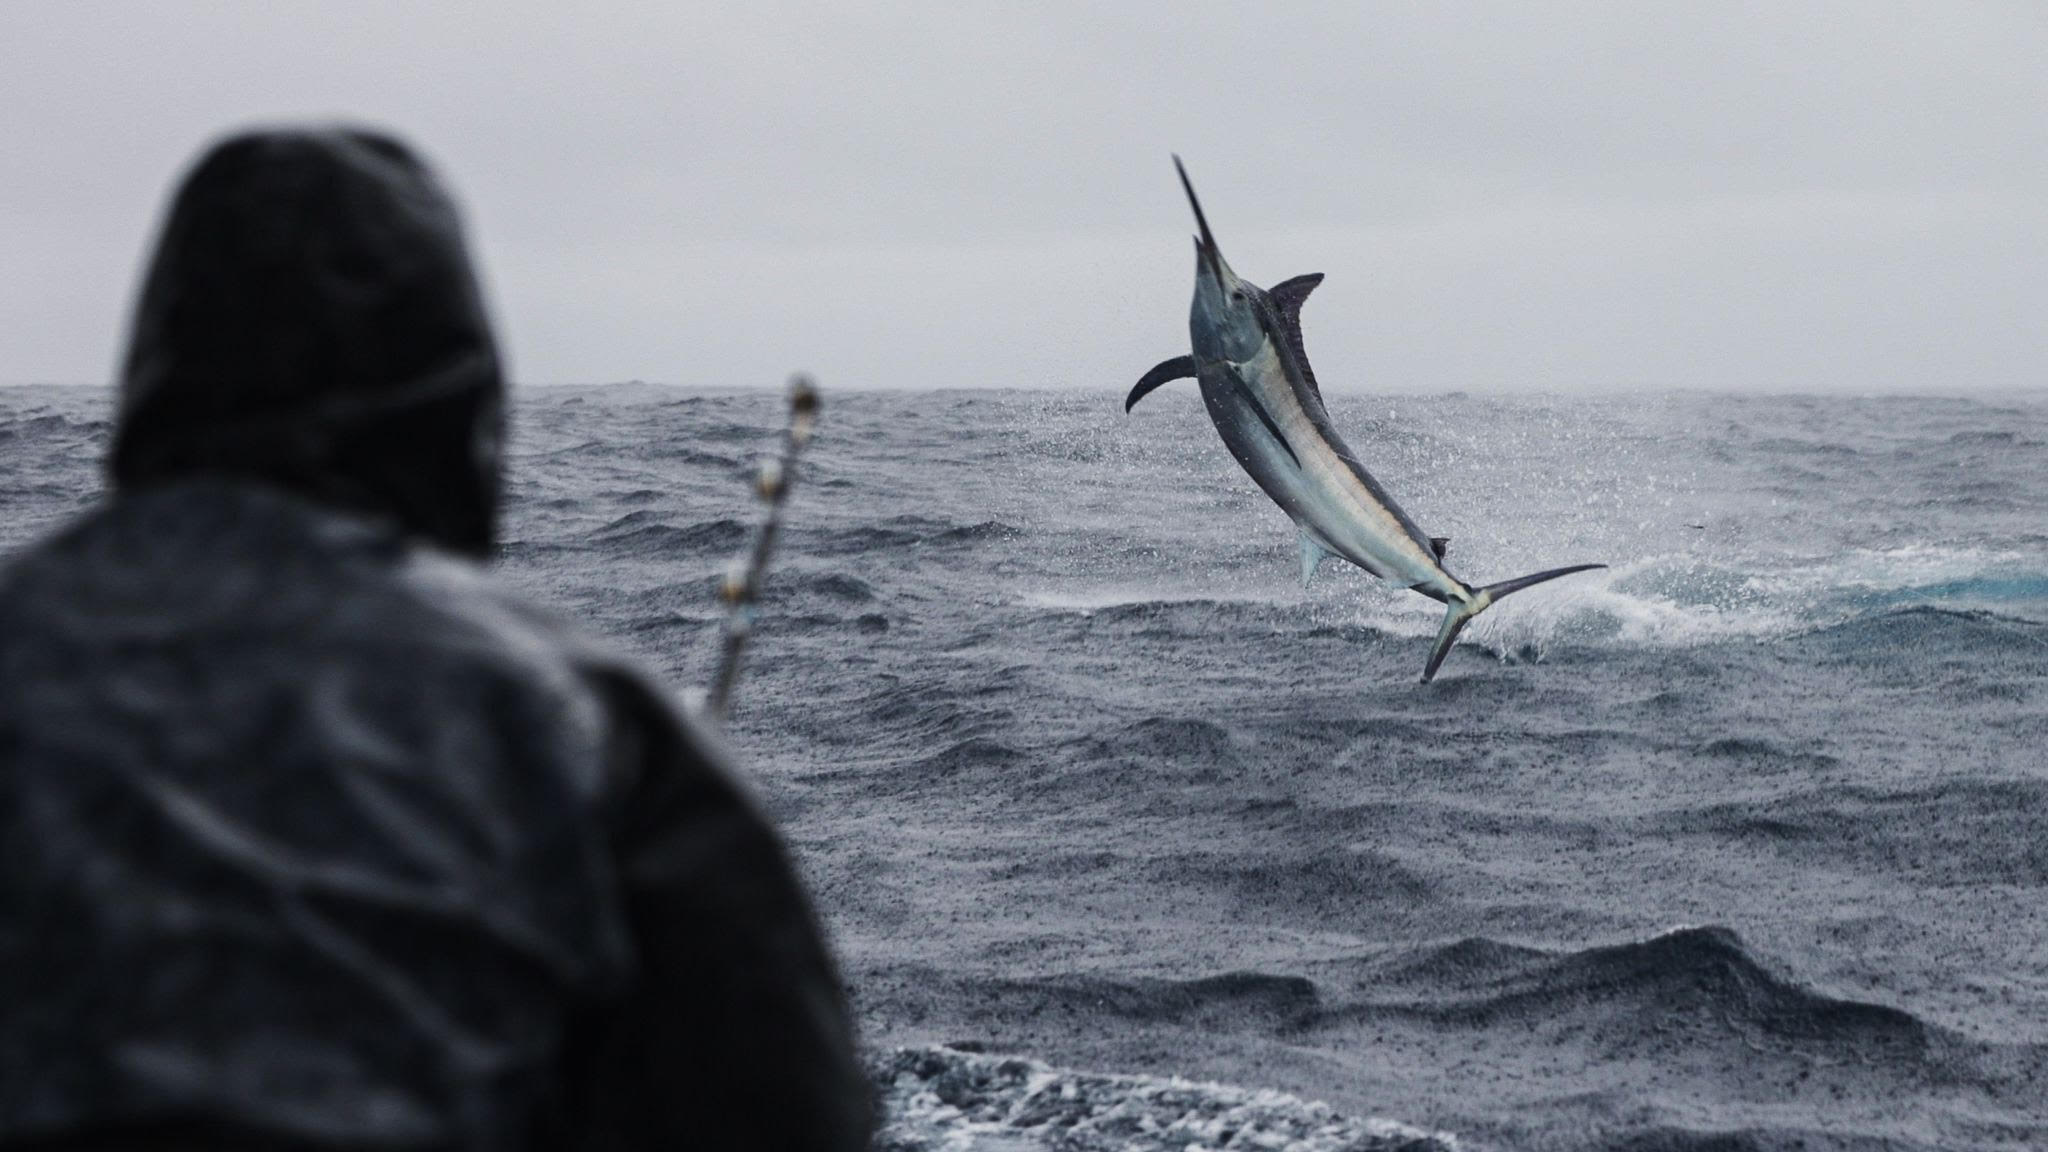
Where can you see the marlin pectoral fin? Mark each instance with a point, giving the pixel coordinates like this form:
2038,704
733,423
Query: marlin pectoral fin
1245,391
1439,545
1178,368
1312,553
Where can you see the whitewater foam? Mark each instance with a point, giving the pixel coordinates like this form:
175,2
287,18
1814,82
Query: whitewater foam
938,1099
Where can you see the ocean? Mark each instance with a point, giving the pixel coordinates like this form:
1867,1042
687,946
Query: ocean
1125,840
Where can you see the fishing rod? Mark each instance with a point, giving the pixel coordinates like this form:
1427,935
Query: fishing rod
742,586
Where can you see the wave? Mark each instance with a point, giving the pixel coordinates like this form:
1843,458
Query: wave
1144,600
1687,1138
946,1098
1174,739
1991,439
1696,1004
1153,614
1766,755
56,424
905,532
975,764
49,491
724,431
1228,1002
1701,988
1470,962
1962,832
801,587
1692,988
1925,634
644,533
693,458
1691,993
1310,888
916,715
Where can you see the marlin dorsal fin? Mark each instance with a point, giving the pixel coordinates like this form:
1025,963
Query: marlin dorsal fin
1288,297
1166,370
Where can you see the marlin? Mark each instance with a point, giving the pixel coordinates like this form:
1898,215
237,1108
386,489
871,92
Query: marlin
1263,398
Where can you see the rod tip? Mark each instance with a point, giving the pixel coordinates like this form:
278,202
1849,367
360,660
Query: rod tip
803,394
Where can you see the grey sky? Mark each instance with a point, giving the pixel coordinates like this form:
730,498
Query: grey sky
1504,196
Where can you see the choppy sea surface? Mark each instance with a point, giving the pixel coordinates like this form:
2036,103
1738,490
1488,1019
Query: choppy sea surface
1128,841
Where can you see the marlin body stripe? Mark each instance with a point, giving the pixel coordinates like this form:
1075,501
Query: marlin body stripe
1263,398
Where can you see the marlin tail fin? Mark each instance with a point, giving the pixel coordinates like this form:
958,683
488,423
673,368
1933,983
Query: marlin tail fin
1458,613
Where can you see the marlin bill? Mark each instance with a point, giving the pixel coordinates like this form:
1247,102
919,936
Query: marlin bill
1253,372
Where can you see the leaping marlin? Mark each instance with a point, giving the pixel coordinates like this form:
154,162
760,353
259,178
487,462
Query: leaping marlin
1263,398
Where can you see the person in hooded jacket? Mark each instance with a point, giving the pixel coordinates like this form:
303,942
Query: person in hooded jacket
311,836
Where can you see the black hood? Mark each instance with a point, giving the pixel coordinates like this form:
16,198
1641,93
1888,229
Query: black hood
310,320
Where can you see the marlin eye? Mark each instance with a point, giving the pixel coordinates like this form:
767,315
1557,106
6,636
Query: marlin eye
1237,293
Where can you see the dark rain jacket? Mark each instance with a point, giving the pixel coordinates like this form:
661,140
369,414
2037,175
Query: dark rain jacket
310,835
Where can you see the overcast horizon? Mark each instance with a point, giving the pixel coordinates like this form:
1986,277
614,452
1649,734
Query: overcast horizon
1600,196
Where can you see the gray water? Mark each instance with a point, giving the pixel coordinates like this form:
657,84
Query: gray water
1741,843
